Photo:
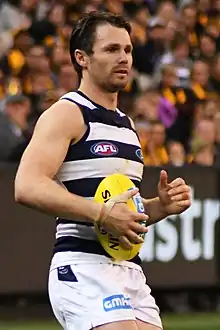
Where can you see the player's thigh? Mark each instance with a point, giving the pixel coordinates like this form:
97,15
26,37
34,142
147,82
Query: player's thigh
146,326
121,325
145,308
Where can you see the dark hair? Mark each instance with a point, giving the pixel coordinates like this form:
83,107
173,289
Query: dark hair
83,34
209,36
189,5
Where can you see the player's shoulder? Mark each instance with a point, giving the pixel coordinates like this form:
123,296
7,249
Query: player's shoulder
62,117
62,109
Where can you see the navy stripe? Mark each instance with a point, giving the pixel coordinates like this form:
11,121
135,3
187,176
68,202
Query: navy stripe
103,116
86,151
67,222
75,244
87,187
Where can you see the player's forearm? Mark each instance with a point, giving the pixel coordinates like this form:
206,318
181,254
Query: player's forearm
154,209
47,196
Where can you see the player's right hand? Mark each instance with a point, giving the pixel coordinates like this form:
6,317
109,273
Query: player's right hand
121,222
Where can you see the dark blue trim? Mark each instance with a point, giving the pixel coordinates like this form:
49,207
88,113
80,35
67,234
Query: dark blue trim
66,222
87,187
75,244
65,274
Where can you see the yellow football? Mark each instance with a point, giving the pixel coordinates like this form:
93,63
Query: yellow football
109,187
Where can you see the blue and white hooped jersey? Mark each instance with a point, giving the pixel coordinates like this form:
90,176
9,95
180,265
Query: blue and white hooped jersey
110,145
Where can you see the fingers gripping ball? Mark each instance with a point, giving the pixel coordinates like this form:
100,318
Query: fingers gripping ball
109,188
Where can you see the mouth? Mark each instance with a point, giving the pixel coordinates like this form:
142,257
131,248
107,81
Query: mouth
122,71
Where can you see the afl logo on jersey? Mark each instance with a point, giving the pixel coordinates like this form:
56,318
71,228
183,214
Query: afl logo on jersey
104,149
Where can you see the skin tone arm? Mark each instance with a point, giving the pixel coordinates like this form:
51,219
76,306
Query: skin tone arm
173,198
34,184
154,209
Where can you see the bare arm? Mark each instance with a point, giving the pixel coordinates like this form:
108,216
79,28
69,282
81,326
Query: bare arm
154,209
34,184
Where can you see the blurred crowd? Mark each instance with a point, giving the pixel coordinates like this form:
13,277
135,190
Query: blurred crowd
174,86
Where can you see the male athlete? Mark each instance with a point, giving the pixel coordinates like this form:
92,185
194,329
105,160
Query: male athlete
77,142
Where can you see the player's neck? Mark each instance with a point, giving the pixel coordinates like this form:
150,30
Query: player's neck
105,99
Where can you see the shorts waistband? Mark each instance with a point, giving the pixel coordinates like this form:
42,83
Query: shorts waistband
76,244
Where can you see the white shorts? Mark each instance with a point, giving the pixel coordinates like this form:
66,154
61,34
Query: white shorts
89,290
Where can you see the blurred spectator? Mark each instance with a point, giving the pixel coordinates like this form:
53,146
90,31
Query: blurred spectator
200,79
68,78
145,107
154,151
170,33
114,6
203,7
34,56
176,153
183,100
207,47
188,20
45,101
203,143
14,128
139,23
215,75
16,15
147,55
49,98
48,30
143,130
166,11
151,106
179,56
14,62
169,77
56,59
213,30
207,109
38,77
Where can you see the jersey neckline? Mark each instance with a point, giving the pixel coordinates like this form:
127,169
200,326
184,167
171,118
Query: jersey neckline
99,106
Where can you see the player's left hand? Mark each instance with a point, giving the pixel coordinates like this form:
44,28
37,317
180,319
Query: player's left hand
174,196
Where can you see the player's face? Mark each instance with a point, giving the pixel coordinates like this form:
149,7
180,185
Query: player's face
111,61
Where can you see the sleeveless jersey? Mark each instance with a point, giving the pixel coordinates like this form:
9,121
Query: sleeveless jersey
110,145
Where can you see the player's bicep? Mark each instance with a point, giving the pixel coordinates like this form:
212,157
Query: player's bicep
46,150
54,131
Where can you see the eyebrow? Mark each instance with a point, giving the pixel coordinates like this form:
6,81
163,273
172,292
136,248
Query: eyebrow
116,45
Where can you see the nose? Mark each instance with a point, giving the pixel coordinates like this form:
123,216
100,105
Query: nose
123,57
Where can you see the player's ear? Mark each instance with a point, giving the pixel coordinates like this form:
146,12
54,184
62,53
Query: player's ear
81,58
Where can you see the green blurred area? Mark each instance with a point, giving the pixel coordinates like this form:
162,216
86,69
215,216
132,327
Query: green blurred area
171,322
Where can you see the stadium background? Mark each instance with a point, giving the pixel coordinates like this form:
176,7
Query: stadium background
173,98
